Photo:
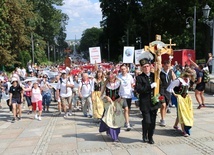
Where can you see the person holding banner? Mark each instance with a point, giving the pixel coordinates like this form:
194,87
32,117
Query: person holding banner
144,86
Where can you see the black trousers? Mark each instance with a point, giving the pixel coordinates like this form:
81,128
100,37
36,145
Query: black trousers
210,68
148,123
10,106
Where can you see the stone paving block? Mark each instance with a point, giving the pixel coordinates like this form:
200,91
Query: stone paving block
91,145
5,125
210,144
179,149
62,147
12,131
5,136
147,151
4,143
62,140
32,133
19,151
21,142
103,152
117,152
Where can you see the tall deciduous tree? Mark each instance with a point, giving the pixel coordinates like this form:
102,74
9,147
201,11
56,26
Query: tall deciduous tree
125,20
90,38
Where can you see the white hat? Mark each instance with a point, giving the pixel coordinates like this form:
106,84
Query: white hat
63,72
14,79
35,82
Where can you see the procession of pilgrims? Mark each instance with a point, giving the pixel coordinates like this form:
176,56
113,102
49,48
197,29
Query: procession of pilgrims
97,92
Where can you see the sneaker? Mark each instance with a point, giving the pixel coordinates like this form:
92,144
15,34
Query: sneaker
128,127
176,127
199,107
66,115
39,118
162,123
185,134
85,115
125,125
36,116
29,112
18,118
13,120
69,113
168,111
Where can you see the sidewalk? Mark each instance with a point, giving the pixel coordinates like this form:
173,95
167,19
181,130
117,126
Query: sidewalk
78,135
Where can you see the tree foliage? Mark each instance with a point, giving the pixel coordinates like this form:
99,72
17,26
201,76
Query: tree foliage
125,20
90,38
21,19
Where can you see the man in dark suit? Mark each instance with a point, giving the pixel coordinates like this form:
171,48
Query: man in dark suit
145,85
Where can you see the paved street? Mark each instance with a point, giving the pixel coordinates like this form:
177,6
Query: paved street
78,135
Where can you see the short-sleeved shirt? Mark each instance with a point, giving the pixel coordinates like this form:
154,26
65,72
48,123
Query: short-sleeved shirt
126,89
200,86
16,91
65,91
86,88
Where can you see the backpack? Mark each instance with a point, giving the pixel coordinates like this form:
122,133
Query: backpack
60,79
206,76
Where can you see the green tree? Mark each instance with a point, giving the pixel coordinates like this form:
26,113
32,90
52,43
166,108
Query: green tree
125,20
90,38
13,30
21,19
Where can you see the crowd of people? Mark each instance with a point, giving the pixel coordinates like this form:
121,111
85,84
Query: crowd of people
105,94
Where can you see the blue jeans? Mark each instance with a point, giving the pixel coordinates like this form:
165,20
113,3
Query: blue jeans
46,99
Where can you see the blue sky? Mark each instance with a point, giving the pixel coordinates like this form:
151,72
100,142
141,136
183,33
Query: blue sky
82,14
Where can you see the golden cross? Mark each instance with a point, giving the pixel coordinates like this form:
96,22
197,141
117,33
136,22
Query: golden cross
170,44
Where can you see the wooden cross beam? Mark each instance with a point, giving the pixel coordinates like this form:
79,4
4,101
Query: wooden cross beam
165,50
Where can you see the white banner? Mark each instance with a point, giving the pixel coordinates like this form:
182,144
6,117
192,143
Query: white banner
95,55
137,54
128,54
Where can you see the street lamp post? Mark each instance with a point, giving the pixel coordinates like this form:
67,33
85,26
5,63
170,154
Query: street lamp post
210,23
32,44
194,26
138,41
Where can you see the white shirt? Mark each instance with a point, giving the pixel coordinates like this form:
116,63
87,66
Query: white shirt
23,72
76,85
176,83
36,95
86,88
44,86
126,89
62,86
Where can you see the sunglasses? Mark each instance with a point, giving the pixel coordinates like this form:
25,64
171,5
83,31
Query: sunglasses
44,77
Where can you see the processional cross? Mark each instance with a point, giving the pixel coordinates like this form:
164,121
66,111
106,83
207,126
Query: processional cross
159,48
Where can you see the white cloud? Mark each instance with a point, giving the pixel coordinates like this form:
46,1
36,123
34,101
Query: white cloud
82,14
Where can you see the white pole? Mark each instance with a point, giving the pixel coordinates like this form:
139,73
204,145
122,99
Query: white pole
194,28
32,44
213,45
